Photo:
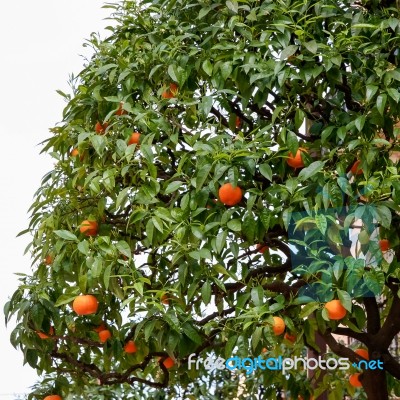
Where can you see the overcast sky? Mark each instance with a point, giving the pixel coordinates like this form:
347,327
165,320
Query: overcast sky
41,44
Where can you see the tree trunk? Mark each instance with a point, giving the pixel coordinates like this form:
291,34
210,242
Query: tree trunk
374,384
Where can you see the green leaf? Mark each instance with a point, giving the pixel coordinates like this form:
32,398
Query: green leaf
370,92
257,295
230,344
83,247
394,94
291,140
308,309
288,51
207,67
321,222
233,6
191,333
206,292
173,72
345,299
311,46
122,196
298,121
173,187
106,276
150,230
220,241
226,70
235,225
255,338
266,171
66,298
381,103
202,175
66,235
124,248
37,315
99,144
384,216
359,122
97,267
311,170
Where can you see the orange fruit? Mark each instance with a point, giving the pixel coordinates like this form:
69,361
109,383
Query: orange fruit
384,245
279,326
53,397
238,122
101,327
120,110
230,195
168,362
130,347
104,335
289,337
261,248
135,138
100,128
363,353
44,335
354,380
74,152
85,304
296,161
48,260
355,170
165,299
264,350
335,309
171,92
89,228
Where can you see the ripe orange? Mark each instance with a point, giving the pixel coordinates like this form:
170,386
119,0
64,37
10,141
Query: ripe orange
120,110
135,138
363,353
165,299
291,338
355,170
171,92
296,161
238,122
261,248
384,245
44,335
104,335
100,128
335,309
74,152
230,195
264,350
89,228
100,328
85,304
49,259
279,326
53,397
130,347
354,380
168,362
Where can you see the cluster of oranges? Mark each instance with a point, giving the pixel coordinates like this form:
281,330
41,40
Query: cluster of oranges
101,127
86,305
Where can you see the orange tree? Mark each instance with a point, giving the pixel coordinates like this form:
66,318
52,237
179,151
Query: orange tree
185,98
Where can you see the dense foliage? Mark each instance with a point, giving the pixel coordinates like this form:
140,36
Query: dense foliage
220,92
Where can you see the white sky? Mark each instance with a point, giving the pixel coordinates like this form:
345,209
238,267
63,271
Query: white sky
40,46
